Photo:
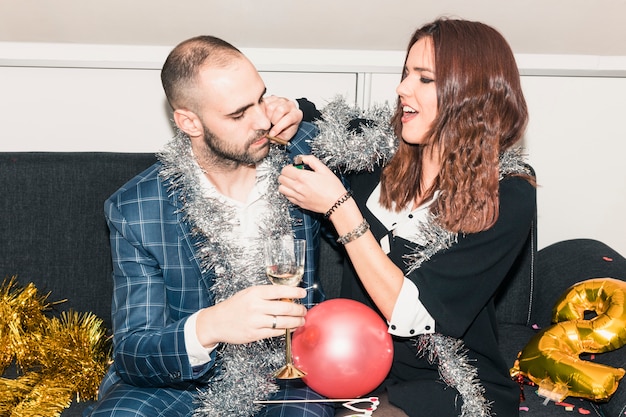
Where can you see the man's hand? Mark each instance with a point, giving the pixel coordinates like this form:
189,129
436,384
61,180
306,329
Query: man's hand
252,314
284,115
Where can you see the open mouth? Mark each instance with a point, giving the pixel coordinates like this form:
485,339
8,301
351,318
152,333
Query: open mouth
408,113
408,109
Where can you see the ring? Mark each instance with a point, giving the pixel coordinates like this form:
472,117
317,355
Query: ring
274,323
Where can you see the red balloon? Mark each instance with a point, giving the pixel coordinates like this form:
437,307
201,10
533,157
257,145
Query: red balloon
344,348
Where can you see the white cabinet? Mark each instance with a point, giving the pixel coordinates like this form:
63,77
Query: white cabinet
382,88
81,109
318,87
112,109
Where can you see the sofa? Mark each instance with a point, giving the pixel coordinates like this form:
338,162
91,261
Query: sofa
53,234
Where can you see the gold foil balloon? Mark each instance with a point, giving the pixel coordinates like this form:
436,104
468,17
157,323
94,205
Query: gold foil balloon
551,358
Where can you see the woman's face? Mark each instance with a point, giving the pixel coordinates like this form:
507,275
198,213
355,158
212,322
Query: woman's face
417,92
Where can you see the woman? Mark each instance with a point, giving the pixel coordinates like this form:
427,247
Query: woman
432,234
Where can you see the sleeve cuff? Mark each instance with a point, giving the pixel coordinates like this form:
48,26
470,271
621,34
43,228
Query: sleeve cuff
410,317
198,355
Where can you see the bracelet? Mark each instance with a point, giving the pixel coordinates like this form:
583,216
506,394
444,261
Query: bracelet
339,202
356,233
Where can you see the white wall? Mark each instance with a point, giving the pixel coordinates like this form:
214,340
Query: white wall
576,141
109,98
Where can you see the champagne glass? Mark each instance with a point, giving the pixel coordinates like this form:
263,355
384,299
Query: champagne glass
284,265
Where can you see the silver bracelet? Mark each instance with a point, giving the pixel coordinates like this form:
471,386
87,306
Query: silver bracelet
355,233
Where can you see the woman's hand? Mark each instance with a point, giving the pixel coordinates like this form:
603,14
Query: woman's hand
316,189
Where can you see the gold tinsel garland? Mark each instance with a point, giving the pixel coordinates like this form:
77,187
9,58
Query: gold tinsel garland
56,359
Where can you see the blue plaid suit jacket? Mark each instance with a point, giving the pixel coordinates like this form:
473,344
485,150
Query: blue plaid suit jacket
158,282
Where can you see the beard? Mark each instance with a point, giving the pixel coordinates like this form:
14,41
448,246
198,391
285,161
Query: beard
222,152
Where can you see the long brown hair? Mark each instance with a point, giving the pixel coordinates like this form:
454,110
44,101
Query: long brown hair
481,112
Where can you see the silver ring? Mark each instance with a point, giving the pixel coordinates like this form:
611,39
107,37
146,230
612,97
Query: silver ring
274,323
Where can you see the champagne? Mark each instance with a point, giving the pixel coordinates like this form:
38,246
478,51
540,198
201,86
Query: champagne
291,278
284,265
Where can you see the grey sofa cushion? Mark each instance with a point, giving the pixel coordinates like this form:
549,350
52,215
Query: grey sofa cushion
565,263
53,231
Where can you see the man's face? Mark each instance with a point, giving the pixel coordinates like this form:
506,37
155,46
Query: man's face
232,112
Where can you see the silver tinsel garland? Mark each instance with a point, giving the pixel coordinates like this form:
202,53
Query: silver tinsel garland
351,151
438,238
345,150
456,371
245,369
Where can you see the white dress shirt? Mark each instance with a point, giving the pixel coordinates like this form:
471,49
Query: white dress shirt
245,230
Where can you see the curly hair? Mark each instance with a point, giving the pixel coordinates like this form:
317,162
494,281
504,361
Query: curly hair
481,111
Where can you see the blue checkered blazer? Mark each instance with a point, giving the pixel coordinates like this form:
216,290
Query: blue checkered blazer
158,282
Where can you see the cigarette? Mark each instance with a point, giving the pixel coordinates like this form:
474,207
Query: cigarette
277,140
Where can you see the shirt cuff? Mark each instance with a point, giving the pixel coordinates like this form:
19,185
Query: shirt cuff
198,355
410,317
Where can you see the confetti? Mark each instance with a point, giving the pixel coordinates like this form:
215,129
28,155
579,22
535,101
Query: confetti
527,409
584,411
606,258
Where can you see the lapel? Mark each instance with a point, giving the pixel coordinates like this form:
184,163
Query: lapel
192,242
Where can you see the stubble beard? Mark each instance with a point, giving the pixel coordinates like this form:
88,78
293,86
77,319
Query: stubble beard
219,153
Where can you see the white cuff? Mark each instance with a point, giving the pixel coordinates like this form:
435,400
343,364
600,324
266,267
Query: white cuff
410,317
197,354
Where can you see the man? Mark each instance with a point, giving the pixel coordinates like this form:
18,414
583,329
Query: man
195,327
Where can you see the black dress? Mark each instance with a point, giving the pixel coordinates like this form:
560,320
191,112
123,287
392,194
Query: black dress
457,287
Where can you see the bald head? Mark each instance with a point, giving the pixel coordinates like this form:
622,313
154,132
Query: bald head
181,68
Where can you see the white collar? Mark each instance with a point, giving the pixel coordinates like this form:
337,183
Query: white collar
392,219
257,192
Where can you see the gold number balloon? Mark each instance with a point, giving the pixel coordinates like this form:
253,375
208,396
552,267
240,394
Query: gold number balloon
551,359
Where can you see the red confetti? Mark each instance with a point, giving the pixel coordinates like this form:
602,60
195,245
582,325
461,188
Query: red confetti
565,404
584,411
606,258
